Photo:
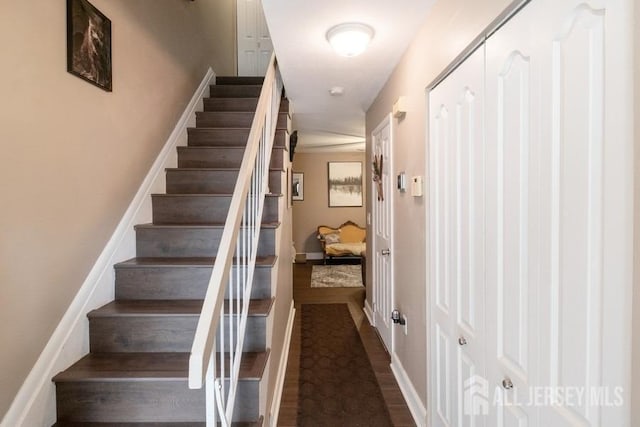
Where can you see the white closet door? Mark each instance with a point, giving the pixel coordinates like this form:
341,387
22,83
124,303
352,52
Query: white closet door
587,227
254,42
557,168
512,188
559,210
457,245
265,45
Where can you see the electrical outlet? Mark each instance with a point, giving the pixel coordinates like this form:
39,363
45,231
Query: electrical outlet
406,324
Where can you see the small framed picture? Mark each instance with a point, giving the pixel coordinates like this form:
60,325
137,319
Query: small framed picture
89,43
345,184
297,186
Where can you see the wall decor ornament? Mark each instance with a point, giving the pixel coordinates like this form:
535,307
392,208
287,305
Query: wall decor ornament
89,44
297,186
345,184
377,175
293,141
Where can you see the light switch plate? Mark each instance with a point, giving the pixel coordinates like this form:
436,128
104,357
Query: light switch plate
402,182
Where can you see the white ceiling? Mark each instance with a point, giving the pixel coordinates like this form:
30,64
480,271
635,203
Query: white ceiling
310,67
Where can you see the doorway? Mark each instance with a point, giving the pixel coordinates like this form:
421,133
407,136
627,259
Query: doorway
382,251
254,42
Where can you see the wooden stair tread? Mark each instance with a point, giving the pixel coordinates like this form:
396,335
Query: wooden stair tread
266,261
221,129
207,195
213,169
219,147
239,80
248,84
186,424
229,118
170,424
150,366
140,308
204,147
239,104
92,424
222,98
227,136
265,225
232,112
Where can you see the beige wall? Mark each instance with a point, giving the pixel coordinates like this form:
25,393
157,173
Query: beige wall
314,210
635,361
74,155
449,28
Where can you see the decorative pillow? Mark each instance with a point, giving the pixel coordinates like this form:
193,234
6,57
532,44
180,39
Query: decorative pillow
332,238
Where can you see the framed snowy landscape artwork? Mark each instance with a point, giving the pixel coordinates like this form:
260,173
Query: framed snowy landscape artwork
345,184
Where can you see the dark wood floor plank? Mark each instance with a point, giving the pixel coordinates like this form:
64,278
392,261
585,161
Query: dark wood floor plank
380,360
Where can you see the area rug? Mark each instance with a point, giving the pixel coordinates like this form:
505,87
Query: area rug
336,276
337,385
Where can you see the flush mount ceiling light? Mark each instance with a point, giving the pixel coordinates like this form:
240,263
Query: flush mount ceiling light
350,39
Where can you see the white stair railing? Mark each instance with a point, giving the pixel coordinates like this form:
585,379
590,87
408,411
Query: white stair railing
219,338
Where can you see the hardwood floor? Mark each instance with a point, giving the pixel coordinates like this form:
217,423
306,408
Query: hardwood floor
354,298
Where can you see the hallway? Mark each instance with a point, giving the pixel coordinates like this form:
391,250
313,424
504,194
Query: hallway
354,298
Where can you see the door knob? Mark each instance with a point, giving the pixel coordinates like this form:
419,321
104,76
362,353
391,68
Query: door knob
462,341
385,251
507,384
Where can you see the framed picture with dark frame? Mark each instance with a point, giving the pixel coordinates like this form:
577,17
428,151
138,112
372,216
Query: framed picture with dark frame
345,184
297,186
89,44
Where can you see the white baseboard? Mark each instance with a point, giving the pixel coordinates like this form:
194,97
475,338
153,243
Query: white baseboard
282,369
34,405
368,311
314,255
417,408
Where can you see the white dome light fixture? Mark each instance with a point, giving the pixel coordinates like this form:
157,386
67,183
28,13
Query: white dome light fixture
350,39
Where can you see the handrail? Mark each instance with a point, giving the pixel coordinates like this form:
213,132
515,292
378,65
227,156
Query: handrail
223,326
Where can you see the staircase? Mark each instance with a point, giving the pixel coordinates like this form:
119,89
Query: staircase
137,368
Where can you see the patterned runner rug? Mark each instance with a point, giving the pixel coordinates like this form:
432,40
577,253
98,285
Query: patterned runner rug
337,384
336,276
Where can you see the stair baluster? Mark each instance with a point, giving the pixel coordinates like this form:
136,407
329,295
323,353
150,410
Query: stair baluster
221,326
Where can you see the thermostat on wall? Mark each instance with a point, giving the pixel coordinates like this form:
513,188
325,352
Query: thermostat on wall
416,186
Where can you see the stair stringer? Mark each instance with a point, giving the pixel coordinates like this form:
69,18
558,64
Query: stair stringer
35,402
280,320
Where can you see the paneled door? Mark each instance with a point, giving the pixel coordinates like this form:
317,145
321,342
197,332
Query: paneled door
512,76
559,212
254,42
382,251
586,230
552,346
456,153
